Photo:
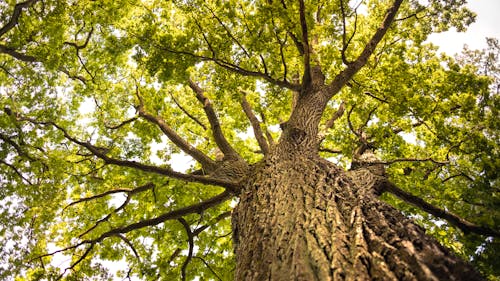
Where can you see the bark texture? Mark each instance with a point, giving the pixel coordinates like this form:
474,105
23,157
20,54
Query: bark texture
302,218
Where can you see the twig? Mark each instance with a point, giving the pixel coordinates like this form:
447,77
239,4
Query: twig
187,113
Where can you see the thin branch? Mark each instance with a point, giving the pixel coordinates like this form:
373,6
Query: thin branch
269,137
84,45
349,123
80,259
172,215
375,97
15,15
172,135
220,217
343,77
234,68
16,171
167,171
209,267
122,237
458,175
344,33
228,32
187,113
121,124
464,225
190,236
264,146
389,162
217,133
113,191
176,214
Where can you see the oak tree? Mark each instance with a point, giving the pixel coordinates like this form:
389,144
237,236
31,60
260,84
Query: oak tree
324,140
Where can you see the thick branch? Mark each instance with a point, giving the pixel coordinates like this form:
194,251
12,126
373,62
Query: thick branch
343,77
453,219
20,56
336,115
15,16
217,133
259,135
306,78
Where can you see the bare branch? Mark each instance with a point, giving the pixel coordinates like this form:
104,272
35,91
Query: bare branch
217,133
15,15
464,225
264,146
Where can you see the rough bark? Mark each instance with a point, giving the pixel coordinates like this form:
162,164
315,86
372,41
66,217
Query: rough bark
302,218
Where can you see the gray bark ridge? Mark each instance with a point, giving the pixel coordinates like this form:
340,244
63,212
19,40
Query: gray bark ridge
302,218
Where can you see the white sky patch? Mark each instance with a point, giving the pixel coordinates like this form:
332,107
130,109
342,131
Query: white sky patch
487,25
180,162
87,106
409,137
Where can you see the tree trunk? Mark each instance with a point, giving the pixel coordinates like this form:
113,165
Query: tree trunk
302,218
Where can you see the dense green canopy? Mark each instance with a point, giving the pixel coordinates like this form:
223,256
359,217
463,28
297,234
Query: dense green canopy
98,102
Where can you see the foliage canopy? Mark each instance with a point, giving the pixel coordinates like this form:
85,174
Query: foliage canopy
100,98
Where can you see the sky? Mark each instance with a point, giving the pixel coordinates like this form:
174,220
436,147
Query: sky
487,25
